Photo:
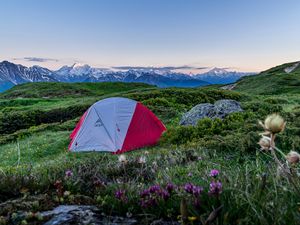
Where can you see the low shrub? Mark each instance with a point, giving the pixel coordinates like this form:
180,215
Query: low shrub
11,122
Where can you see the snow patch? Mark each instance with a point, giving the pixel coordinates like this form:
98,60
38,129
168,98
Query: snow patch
291,68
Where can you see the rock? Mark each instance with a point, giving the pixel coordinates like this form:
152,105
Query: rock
227,106
220,109
197,112
82,215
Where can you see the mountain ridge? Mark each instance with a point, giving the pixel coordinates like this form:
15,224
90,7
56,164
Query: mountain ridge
13,74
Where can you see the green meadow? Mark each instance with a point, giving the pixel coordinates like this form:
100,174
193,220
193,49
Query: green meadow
36,120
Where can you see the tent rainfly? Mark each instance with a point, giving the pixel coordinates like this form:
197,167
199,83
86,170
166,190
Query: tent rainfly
116,125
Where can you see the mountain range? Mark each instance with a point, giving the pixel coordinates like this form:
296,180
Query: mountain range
13,74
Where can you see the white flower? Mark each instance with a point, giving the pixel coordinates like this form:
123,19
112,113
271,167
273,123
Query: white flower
265,143
142,160
122,158
293,157
67,193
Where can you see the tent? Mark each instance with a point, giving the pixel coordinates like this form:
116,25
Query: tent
116,125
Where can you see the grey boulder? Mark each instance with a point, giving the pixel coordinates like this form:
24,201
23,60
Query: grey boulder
82,215
220,109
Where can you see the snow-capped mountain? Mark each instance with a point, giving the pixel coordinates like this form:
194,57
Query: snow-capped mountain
221,76
79,73
12,74
148,78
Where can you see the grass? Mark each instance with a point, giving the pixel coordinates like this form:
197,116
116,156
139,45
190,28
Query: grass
274,81
252,193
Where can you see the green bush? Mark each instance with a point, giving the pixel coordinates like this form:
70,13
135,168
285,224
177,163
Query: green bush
11,122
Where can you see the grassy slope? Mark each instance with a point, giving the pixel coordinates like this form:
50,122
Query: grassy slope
73,90
274,81
229,146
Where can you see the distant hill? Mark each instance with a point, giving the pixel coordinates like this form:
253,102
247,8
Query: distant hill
13,74
72,90
284,78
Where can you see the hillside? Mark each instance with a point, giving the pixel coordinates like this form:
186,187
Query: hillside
73,90
38,173
278,80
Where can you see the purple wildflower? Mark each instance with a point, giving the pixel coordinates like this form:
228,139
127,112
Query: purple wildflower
120,194
154,188
145,193
190,174
215,188
170,187
68,173
214,173
151,196
164,194
197,190
193,189
188,188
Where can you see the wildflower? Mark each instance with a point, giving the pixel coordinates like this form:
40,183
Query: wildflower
293,157
190,174
67,193
151,196
154,188
192,189
170,187
274,123
197,190
120,194
265,143
164,194
68,173
188,188
215,188
142,160
122,159
145,193
214,173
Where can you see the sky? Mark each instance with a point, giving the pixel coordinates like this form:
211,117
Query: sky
195,34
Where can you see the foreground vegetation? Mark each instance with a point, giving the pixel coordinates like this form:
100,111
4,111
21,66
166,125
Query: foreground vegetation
212,173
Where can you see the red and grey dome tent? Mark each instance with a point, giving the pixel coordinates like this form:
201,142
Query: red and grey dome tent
116,125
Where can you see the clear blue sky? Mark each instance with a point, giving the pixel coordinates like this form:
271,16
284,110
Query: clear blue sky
245,35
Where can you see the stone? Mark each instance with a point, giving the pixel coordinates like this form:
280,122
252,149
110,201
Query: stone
82,215
220,110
